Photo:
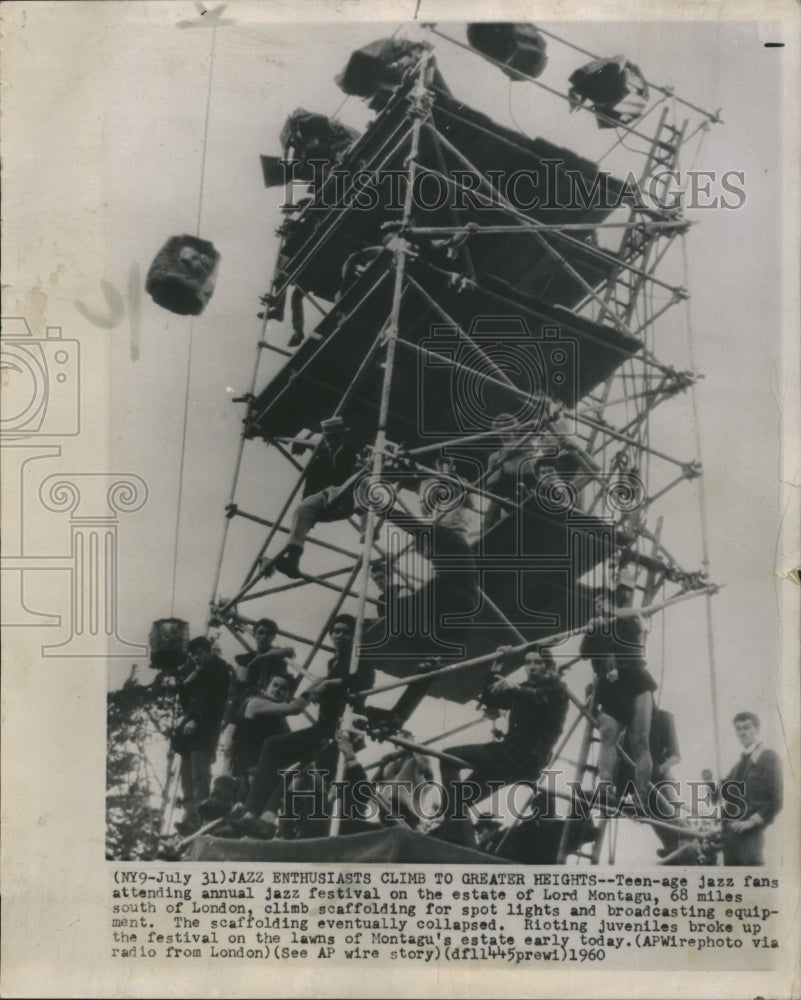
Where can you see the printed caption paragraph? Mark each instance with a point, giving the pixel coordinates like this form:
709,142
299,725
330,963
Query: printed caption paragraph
285,915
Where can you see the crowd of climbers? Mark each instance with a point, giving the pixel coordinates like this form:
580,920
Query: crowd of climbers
274,780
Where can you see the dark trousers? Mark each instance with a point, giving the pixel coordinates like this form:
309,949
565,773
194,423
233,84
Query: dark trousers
490,762
744,848
277,754
195,779
330,504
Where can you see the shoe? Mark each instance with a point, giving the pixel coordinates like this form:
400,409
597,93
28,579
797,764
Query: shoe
187,827
429,825
580,832
288,561
213,807
381,722
250,826
221,800
168,852
226,832
275,307
296,339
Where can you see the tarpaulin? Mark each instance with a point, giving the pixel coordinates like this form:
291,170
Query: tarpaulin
393,844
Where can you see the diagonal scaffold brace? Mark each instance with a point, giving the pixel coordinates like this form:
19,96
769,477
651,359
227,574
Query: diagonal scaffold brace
419,109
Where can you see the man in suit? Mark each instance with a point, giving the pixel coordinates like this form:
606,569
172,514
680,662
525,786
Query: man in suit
752,795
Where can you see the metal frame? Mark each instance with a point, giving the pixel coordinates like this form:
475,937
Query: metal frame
624,299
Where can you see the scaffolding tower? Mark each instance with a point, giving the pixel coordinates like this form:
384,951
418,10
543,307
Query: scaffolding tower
451,306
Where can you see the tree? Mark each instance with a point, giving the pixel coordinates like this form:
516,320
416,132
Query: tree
139,721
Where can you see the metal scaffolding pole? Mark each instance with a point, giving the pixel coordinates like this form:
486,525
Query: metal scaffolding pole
418,110
556,639
620,297
613,123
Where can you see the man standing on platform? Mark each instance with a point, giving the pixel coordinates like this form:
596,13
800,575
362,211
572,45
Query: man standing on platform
624,688
203,693
752,794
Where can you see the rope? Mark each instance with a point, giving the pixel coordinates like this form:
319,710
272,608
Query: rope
206,129
181,473
663,629
702,505
704,521
191,335
511,112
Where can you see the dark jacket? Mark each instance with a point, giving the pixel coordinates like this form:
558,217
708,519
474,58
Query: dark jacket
249,736
536,716
329,468
762,790
331,703
260,667
205,699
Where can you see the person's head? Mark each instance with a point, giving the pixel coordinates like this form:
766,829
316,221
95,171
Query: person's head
539,663
444,463
486,827
545,467
264,632
200,649
378,571
625,586
342,629
746,725
278,688
602,601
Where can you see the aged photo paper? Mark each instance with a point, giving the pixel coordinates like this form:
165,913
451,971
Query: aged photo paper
400,499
